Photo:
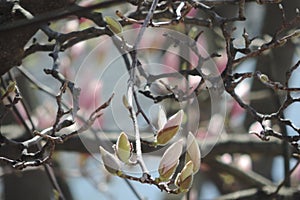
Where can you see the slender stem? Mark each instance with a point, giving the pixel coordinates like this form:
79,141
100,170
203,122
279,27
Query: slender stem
145,24
131,91
136,130
37,138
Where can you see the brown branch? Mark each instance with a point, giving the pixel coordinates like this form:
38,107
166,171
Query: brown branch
249,178
264,193
57,14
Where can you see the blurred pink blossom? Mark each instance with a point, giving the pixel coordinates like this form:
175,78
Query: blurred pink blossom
255,127
90,95
236,111
77,49
244,162
192,13
295,176
90,98
45,114
221,62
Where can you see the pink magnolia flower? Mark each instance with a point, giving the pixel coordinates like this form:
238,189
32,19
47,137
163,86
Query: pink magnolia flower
90,99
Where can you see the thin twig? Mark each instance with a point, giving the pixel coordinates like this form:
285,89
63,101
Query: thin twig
131,90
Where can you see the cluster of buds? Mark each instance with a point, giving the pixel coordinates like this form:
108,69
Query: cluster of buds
167,129
123,151
170,160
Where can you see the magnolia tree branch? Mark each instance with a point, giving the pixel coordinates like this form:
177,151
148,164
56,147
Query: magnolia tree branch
131,91
155,14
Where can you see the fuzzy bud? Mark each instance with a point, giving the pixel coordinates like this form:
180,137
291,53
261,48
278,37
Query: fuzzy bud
184,179
123,148
170,128
111,164
169,161
193,152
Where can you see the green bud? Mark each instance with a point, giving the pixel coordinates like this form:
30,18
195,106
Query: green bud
125,102
184,179
113,25
165,135
264,78
11,87
123,148
169,129
167,171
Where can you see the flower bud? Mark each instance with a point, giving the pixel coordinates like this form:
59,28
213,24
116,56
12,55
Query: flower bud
169,161
162,118
125,102
193,152
165,135
263,78
184,179
123,148
113,24
170,128
110,163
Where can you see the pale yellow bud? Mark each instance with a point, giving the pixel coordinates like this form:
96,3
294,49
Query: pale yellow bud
123,148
